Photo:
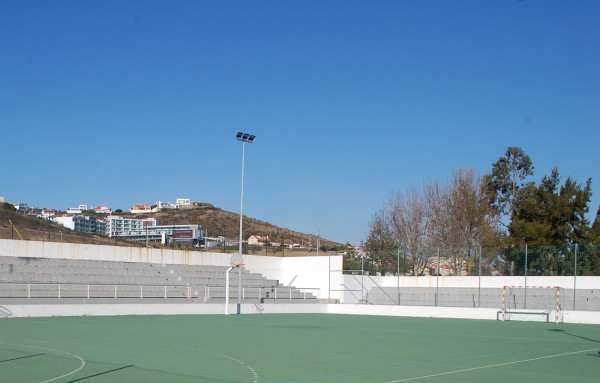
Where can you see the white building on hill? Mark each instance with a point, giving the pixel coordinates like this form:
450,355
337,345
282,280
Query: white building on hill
160,205
77,210
138,209
147,229
117,226
259,240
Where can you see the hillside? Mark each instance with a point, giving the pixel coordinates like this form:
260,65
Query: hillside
224,223
38,229
218,223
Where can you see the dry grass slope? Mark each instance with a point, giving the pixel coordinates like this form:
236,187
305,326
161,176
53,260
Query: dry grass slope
218,223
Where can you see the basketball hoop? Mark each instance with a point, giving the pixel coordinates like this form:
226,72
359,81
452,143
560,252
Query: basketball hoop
236,260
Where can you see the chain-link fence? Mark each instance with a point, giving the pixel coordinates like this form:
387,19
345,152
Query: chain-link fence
379,277
575,260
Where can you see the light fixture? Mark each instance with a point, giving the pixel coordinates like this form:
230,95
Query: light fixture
243,137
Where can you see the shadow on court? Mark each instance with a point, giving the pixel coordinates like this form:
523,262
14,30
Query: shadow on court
577,336
21,357
100,373
574,335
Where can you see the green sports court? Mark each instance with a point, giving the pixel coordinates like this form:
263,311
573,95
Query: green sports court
294,348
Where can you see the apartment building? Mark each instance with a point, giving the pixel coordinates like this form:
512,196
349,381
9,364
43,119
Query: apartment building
81,223
147,229
117,226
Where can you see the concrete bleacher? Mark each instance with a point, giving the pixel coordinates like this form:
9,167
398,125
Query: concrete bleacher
29,280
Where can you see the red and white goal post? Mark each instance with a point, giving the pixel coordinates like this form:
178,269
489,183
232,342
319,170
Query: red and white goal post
543,300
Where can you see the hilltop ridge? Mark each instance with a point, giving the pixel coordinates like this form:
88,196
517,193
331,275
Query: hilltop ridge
215,221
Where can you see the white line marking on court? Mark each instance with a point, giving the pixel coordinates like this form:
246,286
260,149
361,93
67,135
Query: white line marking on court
70,373
252,370
490,366
59,351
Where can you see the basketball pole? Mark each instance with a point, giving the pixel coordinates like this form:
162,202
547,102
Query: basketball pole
227,290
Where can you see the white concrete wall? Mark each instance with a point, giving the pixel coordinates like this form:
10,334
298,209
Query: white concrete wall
302,272
474,282
353,284
310,274
19,248
22,311
58,310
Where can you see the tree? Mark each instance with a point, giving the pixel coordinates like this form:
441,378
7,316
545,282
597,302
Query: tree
380,237
595,231
381,247
406,215
438,205
460,217
470,215
506,180
454,215
551,213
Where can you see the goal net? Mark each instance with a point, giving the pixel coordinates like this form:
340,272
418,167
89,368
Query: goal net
531,303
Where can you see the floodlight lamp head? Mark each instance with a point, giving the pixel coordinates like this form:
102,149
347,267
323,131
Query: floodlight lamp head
245,137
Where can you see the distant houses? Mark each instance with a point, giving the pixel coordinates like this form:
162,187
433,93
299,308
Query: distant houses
138,229
141,209
102,210
47,213
160,205
258,240
262,240
77,210
181,203
128,228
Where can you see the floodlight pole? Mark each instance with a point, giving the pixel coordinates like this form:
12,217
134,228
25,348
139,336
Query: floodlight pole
243,137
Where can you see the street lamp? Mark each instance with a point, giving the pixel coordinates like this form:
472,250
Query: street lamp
249,138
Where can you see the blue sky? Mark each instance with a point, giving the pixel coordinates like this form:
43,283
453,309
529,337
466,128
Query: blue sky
118,103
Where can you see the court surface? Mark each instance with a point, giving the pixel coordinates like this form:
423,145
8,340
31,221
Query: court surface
294,348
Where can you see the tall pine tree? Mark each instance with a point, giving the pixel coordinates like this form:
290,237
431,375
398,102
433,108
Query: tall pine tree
507,178
595,231
551,213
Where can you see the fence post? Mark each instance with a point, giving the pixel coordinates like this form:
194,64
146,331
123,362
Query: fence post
329,276
437,278
575,279
525,293
398,273
362,277
479,289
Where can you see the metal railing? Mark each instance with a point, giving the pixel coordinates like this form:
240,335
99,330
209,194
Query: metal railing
25,290
274,293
